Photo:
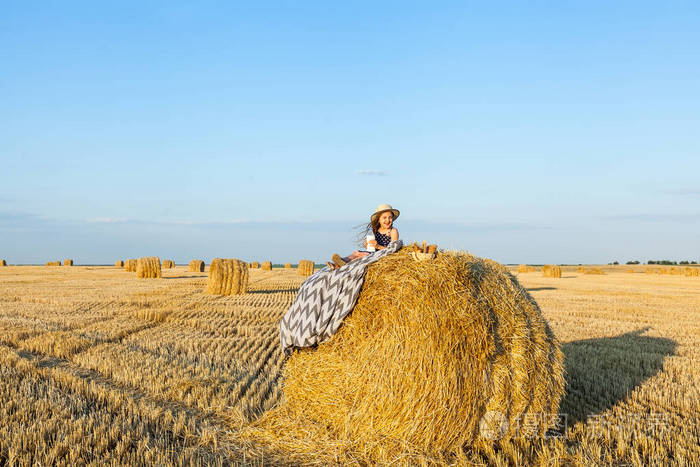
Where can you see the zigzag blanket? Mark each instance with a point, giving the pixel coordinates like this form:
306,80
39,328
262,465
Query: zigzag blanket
324,300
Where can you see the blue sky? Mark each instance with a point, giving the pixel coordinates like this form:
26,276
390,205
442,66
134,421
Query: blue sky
524,132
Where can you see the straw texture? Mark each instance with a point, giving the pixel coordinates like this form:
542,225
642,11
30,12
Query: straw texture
305,268
227,277
267,265
430,349
197,265
168,264
130,265
119,264
148,267
68,262
549,270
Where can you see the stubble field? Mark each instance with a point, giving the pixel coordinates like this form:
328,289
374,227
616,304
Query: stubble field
97,366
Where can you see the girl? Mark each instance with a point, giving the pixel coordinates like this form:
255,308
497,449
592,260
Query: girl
381,224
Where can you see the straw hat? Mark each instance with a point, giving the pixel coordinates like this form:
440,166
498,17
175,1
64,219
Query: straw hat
382,208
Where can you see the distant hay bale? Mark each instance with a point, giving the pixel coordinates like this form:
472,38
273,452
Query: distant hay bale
631,271
526,268
148,267
435,355
119,264
650,271
3,262
287,265
53,263
661,271
305,268
197,265
255,265
68,262
594,271
692,272
580,269
168,264
267,265
549,270
675,271
130,265
227,277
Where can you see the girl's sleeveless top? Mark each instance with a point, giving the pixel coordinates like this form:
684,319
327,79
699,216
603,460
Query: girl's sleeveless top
382,240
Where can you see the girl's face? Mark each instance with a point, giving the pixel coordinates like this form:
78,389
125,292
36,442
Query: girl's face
386,219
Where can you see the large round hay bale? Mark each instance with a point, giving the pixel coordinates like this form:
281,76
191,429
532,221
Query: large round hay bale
68,262
549,270
227,277
435,355
267,265
168,264
3,262
287,265
255,265
305,267
119,264
197,265
130,265
148,267
689,272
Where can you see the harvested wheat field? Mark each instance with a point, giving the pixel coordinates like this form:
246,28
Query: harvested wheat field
98,366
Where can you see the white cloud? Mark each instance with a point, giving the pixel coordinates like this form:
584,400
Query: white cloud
380,173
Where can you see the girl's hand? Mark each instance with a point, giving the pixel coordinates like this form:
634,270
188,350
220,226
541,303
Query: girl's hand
372,243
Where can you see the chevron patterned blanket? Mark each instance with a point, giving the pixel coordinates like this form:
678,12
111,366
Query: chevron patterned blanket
324,300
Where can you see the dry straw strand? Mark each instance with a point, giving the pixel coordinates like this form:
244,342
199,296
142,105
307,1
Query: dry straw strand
227,277
430,348
197,265
148,267
267,265
305,267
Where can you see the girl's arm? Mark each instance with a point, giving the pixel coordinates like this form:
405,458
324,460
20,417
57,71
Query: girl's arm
394,236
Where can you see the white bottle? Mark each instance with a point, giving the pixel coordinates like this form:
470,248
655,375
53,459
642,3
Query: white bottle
370,247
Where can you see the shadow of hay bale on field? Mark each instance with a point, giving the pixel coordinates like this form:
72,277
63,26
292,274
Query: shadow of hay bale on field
602,372
430,348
